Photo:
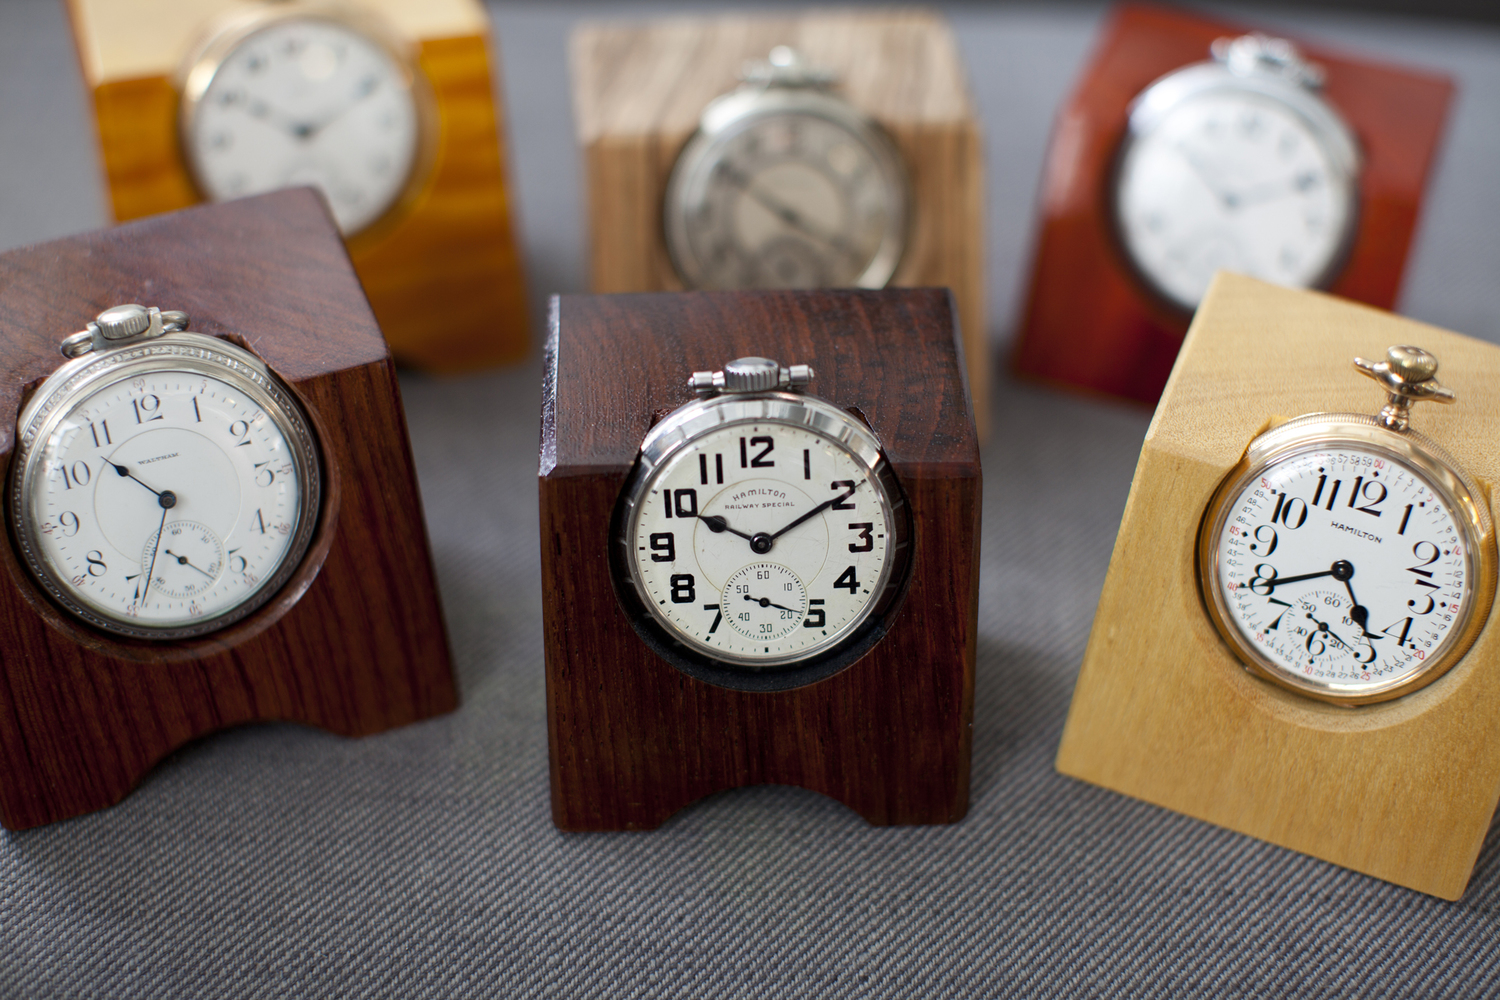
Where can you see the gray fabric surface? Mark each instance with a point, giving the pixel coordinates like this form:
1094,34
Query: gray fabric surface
281,861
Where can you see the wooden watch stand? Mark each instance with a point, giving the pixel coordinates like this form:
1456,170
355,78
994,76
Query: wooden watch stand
639,89
354,643
443,270
632,738
1164,711
1089,322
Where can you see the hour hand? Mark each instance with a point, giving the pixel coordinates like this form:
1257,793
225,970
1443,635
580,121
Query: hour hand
718,525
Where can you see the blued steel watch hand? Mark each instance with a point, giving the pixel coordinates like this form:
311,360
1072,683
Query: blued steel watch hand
168,500
124,472
717,524
766,602
1343,571
1323,627
820,508
787,213
183,561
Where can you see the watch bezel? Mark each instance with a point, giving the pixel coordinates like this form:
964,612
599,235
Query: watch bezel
228,33
1309,434
1170,92
676,432
733,113
181,351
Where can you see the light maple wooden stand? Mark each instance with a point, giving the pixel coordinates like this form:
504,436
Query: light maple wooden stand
638,90
442,271
1163,711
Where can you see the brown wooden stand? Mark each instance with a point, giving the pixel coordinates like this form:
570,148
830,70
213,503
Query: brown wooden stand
632,738
1089,323
639,89
1163,710
443,272
354,643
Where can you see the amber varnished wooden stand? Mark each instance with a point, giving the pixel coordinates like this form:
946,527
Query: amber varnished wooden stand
1089,322
1163,711
442,271
638,90
354,643
632,738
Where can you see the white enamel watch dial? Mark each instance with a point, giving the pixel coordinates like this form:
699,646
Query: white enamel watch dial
1236,165
1347,559
167,484
297,97
763,529
786,186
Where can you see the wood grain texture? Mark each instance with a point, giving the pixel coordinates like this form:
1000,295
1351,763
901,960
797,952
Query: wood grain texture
344,645
1089,323
443,271
632,738
1163,711
638,90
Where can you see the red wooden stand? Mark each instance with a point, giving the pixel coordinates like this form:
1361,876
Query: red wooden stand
1088,322
632,738
354,643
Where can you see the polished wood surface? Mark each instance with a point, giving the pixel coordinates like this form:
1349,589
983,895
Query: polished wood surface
443,272
639,89
1163,711
632,738
1089,323
354,643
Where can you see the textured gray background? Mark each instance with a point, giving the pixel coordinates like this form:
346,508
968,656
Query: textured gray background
281,861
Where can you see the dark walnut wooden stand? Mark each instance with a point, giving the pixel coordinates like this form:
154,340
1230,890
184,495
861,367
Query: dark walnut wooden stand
354,643
632,738
1089,322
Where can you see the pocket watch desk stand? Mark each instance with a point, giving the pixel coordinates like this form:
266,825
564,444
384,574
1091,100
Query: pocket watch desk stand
828,149
1190,145
387,105
1295,639
213,514
760,534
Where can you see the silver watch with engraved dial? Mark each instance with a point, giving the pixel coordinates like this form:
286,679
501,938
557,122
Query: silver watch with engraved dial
1236,163
1348,557
165,483
786,185
762,539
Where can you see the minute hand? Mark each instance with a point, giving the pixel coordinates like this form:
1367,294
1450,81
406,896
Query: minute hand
1278,581
820,508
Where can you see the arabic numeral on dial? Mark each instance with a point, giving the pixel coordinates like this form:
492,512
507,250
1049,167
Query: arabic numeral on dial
240,431
76,475
260,523
264,469
235,557
100,440
147,408
68,521
758,461
1405,626
1374,501
848,581
683,591
1261,539
703,470
684,503
718,617
815,615
1265,576
197,416
848,486
866,531
663,547
1404,518
1286,509
95,560
806,463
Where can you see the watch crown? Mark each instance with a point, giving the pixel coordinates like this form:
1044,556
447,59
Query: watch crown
1408,375
119,322
751,375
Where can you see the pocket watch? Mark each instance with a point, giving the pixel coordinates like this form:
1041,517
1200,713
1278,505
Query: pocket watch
165,484
1236,163
301,93
762,539
786,185
1347,557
